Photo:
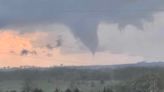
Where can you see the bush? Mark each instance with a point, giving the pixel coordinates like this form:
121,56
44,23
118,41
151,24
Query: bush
107,90
68,90
37,90
56,90
76,90
13,91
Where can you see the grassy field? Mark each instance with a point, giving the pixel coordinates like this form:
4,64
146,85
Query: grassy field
51,85
125,79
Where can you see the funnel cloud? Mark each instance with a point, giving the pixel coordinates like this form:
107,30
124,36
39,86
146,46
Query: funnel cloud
82,16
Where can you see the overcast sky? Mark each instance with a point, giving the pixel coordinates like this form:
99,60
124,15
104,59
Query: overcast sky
80,32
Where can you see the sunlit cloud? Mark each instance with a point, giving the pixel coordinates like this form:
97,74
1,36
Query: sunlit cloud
30,49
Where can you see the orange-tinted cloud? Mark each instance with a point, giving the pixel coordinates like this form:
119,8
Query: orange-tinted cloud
12,43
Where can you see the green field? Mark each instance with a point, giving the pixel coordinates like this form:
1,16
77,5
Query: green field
125,79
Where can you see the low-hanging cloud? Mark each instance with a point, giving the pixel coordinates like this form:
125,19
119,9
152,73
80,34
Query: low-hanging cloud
82,16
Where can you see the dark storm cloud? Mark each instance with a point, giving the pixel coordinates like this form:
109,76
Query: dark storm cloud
82,16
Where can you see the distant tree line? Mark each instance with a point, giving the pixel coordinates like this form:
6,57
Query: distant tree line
65,73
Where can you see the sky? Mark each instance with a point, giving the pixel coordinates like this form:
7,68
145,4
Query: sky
80,32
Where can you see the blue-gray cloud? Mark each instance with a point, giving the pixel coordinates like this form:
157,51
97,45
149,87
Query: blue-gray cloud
82,16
